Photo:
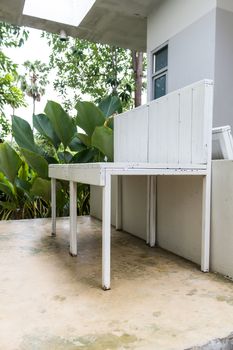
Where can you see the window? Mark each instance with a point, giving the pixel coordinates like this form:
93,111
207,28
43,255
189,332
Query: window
159,72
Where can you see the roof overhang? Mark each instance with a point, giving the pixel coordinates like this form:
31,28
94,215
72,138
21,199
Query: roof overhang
116,22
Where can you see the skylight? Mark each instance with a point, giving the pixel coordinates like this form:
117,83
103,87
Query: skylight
69,12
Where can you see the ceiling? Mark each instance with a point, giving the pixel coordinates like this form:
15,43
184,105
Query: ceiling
118,22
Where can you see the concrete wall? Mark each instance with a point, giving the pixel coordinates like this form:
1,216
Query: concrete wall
170,17
189,29
222,218
179,202
191,53
223,100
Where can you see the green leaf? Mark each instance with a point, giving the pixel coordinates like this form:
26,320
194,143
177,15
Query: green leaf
65,157
22,184
89,116
62,123
110,105
8,205
84,156
36,162
6,189
76,145
86,140
10,162
23,134
41,188
23,172
102,139
42,124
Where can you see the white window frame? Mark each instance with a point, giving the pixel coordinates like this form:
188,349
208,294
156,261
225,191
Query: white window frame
157,74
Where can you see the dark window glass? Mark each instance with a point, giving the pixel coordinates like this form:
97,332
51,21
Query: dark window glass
160,86
160,59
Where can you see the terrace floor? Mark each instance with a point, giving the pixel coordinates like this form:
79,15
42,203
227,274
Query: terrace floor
51,301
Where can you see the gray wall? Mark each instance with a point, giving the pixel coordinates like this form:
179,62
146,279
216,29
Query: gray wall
179,214
223,101
191,53
222,218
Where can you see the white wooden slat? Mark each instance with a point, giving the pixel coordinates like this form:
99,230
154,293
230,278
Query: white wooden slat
185,127
131,136
157,143
173,128
198,107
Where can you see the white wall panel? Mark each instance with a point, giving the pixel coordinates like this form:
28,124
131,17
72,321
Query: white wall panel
131,135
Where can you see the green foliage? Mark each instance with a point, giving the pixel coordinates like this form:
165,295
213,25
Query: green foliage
24,181
61,122
10,162
86,68
10,93
23,134
102,139
89,116
35,80
43,125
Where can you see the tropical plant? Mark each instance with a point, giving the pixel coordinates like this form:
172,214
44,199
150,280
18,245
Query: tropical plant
96,70
10,93
24,173
34,81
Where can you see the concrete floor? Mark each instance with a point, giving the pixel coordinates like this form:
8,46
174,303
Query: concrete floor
51,301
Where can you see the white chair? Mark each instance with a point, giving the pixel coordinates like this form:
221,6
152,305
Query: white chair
222,147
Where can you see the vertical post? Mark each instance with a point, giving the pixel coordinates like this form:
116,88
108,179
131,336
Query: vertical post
119,203
206,203
73,218
106,233
151,211
53,204
153,185
148,211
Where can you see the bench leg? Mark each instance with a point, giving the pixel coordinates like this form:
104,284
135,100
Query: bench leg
53,205
119,203
106,233
73,218
151,210
206,203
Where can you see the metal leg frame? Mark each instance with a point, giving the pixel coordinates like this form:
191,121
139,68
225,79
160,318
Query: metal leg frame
119,203
206,203
151,210
106,233
53,204
73,219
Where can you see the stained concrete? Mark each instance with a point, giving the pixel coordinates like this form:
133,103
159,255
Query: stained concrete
49,300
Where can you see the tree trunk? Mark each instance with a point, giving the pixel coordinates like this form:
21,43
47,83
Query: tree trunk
137,59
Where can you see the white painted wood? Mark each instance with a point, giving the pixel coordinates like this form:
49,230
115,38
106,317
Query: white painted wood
199,155
148,210
74,172
222,143
73,219
152,211
205,246
178,126
106,234
185,126
206,201
119,203
53,205
131,135
148,142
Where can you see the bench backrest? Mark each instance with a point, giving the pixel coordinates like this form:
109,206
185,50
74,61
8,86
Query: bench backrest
174,129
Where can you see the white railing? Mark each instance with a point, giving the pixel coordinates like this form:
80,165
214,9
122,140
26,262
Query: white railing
173,129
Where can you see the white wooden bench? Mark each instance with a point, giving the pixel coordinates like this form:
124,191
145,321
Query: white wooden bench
169,136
